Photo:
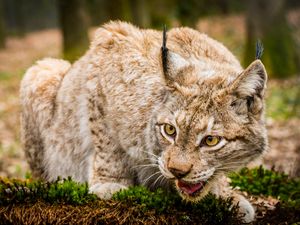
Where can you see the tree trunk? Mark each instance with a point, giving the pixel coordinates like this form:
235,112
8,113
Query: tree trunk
115,9
223,5
189,12
74,26
270,25
20,17
140,13
2,26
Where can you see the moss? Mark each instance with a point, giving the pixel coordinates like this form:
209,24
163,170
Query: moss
147,206
65,201
260,181
139,195
210,210
60,191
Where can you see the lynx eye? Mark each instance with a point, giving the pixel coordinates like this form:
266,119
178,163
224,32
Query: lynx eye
211,140
169,130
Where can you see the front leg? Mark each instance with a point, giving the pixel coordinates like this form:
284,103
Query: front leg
246,210
110,174
111,169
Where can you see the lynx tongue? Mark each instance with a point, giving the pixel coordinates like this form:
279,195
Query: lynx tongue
190,189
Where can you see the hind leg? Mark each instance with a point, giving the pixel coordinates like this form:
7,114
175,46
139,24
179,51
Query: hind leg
38,92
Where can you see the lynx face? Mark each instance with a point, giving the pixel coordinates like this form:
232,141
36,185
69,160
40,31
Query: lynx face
208,126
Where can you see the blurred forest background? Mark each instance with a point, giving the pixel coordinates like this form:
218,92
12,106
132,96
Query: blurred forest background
34,29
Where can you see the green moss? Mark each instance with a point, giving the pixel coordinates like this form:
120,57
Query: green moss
60,191
139,195
139,204
260,181
210,210
257,181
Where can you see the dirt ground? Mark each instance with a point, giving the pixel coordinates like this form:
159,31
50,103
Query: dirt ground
284,146
20,53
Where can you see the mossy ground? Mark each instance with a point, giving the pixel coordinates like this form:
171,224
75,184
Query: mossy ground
67,202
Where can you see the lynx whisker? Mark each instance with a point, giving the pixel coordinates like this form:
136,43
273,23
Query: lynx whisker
151,159
157,179
150,153
164,171
163,180
233,164
152,175
145,165
227,169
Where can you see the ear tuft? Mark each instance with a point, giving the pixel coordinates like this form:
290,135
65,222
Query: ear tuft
172,63
164,51
259,50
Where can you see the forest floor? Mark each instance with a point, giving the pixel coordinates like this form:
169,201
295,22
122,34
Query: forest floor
283,103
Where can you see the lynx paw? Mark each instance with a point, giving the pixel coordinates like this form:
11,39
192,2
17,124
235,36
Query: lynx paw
246,210
106,190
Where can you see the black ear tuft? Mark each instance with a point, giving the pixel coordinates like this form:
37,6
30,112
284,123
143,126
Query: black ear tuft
164,51
171,62
259,50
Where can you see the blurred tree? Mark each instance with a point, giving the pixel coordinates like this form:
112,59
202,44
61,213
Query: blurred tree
223,5
189,11
140,13
23,16
74,26
115,9
2,27
15,16
118,10
135,11
266,20
98,11
161,12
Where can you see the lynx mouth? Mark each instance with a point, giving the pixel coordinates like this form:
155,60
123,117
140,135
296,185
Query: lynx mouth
190,189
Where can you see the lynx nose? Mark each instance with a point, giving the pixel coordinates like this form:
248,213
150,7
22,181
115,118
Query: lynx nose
179,173
179,165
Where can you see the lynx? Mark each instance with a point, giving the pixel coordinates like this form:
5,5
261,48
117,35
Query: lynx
142,107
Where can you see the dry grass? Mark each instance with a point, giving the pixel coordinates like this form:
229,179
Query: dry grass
99,213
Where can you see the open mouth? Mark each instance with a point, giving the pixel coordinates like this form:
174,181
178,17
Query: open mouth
189,188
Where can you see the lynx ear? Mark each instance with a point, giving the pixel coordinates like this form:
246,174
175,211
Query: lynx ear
252,81
248,88
171,62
